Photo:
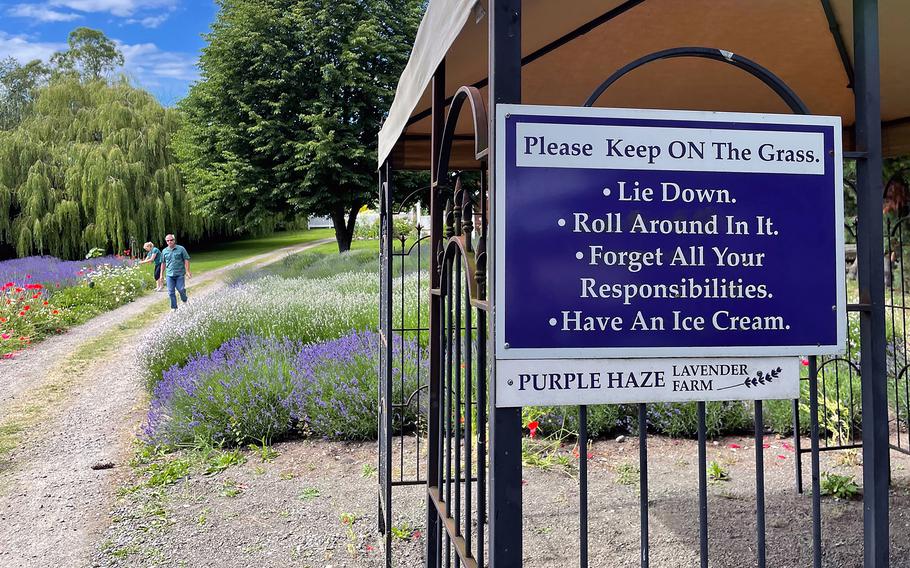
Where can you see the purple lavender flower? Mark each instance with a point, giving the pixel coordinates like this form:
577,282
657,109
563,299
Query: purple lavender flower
254,388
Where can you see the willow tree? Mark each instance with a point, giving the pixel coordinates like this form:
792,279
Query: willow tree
91,167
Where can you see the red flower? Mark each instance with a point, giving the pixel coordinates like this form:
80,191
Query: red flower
8,285
27,307
766,446
21,314
735,446
782,456
804,361
415,535
532,426
5,335
28,275
36,296
46,302
55,312
369,548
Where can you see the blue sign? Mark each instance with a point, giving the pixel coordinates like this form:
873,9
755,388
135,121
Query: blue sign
630,233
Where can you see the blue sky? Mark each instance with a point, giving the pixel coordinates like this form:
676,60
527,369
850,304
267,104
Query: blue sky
160,39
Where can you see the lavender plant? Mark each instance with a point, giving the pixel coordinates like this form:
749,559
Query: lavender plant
301,309
256,388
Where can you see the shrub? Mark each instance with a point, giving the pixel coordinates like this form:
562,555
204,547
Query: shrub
255,389
300,309
102,289
840,486
681,419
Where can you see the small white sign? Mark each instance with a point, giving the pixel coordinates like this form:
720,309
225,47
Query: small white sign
533,382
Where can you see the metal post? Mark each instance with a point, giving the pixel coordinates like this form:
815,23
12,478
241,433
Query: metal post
387,370
871,284
505,423
433,422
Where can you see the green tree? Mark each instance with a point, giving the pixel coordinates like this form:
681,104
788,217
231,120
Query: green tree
90,167
91,55
19,85
285,118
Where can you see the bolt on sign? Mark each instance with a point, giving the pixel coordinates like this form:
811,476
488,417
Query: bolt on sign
649,255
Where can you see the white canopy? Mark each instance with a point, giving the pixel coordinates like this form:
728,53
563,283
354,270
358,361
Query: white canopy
569,47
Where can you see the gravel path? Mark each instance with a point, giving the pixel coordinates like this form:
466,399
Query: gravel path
53,504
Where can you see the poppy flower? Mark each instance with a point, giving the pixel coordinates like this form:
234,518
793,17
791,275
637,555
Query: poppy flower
46,302
27,307
28,276
55,312
532,426
804,361
735,446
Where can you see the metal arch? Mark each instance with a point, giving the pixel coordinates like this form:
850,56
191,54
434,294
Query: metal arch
456,246
410,195
751,67
843,360
903,371
401,251
479,114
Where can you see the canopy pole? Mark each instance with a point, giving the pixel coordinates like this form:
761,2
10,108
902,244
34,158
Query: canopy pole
505,423
873,365
434,527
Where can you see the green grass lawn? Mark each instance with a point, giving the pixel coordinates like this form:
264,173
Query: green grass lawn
229,252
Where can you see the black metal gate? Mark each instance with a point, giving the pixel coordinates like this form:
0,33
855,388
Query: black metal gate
473,468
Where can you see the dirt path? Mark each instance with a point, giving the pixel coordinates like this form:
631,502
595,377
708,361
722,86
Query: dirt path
76,396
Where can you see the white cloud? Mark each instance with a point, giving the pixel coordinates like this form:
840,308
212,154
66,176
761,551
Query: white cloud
145,63
41,13
148,64
150,21
23,49
123,8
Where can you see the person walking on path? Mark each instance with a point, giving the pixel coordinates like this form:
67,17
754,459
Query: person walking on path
176,269
154,255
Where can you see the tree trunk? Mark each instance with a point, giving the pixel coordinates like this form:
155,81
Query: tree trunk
344,228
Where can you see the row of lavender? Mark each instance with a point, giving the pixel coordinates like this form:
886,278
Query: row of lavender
275,355
42,295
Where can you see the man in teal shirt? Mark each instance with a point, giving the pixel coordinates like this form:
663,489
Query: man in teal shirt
176,269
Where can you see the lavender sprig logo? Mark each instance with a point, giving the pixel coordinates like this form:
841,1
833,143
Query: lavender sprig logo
760,378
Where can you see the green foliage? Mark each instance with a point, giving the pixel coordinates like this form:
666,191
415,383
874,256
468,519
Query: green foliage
286,116
19,85
90,56
310,493
717,473
219,461
90,167
101,291
681,419
840,486
627,474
